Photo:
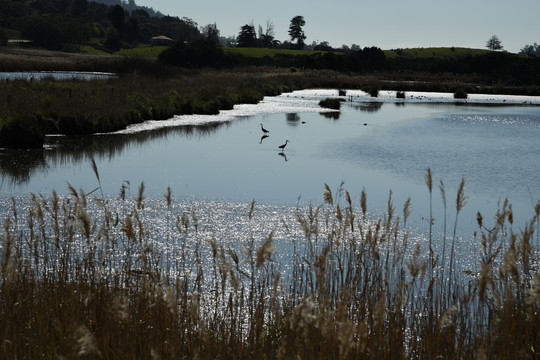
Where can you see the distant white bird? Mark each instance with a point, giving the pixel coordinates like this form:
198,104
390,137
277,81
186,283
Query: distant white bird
282,147
264,130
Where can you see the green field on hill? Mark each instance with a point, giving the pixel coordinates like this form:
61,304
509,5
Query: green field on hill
412,53
262,52
418,53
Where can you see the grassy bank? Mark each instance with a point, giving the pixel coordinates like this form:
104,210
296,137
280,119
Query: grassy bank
81,278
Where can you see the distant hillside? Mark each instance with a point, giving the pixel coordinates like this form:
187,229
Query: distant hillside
130,6
107,25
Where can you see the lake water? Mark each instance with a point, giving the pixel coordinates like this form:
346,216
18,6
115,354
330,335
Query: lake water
376,146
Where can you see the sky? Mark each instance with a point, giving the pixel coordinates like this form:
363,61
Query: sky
387,24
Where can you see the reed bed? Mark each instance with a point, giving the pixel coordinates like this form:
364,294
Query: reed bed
84,276
143,91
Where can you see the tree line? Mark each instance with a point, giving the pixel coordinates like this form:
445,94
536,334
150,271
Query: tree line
67,24
205,53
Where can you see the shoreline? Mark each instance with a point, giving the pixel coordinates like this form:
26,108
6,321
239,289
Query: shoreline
308,101
443,97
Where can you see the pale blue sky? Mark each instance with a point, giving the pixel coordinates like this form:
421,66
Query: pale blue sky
385,24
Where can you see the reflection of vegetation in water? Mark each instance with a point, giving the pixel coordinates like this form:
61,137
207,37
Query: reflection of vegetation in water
119,278
293,119
19,165
333,115
372,106
108,146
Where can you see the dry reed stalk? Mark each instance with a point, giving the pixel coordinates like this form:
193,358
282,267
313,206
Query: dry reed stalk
429,182
461,200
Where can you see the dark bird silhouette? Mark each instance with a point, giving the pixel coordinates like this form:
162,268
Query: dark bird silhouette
263,137
264,130
282,147
282,154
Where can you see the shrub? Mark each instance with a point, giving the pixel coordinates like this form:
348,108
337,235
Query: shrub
400,94
460,94
201,53
331,103
374,91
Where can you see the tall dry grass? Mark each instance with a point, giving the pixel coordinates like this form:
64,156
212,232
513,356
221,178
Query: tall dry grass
84,276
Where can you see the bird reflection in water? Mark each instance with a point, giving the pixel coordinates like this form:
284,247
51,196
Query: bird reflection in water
263,137
282,154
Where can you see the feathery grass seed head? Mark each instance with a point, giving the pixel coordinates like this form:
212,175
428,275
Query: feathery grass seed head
265,250
429,179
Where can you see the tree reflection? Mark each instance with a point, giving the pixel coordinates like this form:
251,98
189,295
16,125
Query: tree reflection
332,115
18,166
292,118
372,106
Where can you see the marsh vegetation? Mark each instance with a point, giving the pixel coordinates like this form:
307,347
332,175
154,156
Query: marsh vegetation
89,276
147,88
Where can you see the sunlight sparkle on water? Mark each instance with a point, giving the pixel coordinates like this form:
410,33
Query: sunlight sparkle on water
299,102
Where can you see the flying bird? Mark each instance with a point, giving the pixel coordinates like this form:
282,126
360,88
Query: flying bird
264,130
282,147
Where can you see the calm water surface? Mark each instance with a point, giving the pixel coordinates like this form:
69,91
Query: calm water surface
373,146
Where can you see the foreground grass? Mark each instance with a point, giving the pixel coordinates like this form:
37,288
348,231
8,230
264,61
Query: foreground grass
82,279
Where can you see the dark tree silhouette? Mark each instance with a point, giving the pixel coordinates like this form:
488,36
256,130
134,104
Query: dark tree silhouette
266,38
247,36
210,32
494,43
296,32
116,16
530,50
